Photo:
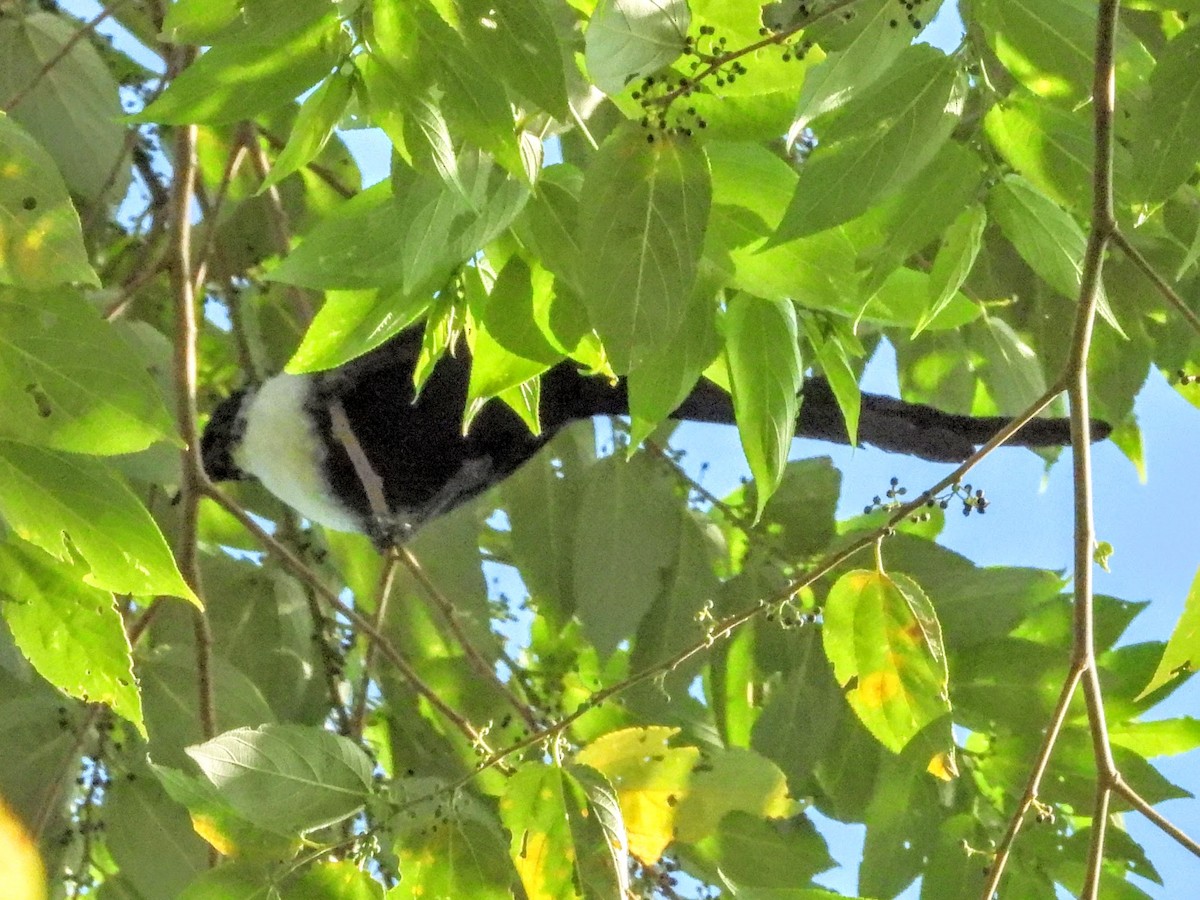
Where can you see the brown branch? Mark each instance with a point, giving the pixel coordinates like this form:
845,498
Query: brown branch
450,614
83,31
1032,786
358,715
1164,288
1075,378
187,547
297,567
1135,800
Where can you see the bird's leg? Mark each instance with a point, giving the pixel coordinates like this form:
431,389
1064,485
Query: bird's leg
382,525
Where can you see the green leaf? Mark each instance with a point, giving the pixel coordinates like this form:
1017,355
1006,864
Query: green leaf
241,79
876,142
352,322
508,347
1047,45
643,213
849,70
73,110
1166,142
451,850
1048,239
901,301
71,633
314,124
753,853
763,351
651,779
40,241
64,502
534,811
829,345
626,39
150,836
750,190
733,779
51,345
953,262
1051,147
474,102
410,234
199,21
1160,737
550,223
665,377
599,830
1182,653
630,513
916,215
519,39
883,638
287,776
336,880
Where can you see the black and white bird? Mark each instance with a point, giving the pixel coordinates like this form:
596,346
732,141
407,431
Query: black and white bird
282,433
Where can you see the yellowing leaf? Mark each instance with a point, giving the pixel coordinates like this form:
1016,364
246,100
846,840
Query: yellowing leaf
736,779
885,644
24,876
651,779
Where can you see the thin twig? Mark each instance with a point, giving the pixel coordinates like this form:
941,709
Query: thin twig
237,154
281,230
387,579
300,570
449,613
1032,786
1169,294
1134,799
83,31
183,186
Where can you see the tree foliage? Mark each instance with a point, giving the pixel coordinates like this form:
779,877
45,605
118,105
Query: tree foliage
205,697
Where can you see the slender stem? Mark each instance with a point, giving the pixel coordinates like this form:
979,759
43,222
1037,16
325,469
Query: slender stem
450,614
300,570
358,716
1169,293
1032,786
187,552
1134,799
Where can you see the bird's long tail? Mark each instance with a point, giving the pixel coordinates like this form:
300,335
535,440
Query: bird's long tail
885,422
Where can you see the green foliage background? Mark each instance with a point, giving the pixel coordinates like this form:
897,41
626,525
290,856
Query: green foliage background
745,194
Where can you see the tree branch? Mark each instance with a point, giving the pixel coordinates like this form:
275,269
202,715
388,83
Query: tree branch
1164,288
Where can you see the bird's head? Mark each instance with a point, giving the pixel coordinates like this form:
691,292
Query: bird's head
222,436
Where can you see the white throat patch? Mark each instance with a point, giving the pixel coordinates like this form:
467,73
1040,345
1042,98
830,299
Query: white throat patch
281,449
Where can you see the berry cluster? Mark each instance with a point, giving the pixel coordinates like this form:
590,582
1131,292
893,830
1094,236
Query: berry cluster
1184,378
910,13
973,500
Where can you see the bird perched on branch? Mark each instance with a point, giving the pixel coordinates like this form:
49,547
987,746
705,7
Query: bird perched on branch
300,434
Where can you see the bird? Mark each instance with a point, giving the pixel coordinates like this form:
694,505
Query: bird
284,433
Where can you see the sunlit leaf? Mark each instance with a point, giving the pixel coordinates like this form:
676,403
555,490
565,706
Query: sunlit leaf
651,779
644,208
763,350
629,38
72,633
50,498
40,241
884,641
1182,653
